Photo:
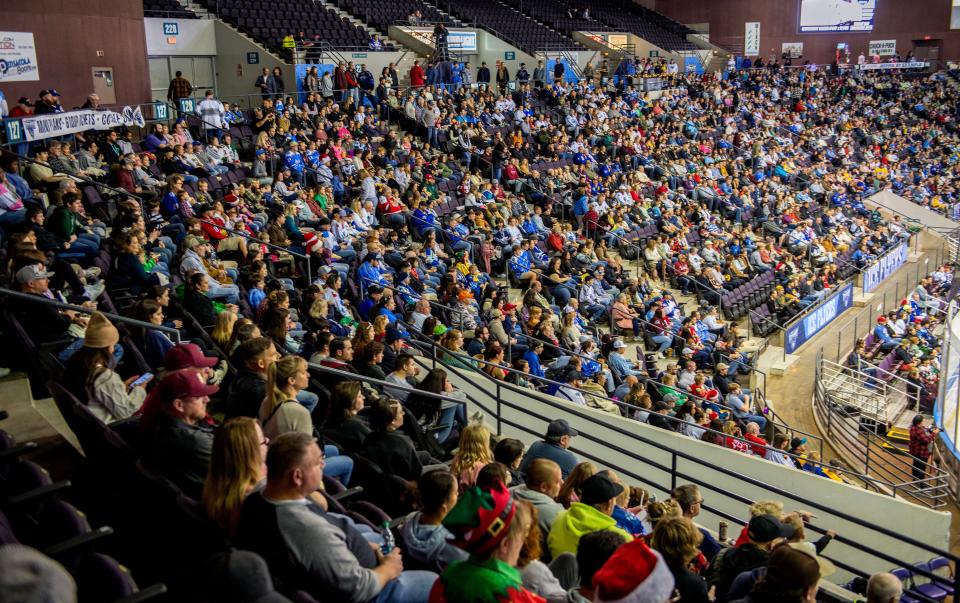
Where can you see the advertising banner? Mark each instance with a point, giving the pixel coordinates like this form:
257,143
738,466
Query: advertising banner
888,263
60,124
751,39
883,48
819,317
910,65
18,57
792,49
458,40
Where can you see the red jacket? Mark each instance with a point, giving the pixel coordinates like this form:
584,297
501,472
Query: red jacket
416,76
757,444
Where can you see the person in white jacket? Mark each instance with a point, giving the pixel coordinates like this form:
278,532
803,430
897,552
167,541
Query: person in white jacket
89,374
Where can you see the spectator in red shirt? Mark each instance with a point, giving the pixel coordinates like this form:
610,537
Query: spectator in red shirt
23,108
757,443
417,79
920,439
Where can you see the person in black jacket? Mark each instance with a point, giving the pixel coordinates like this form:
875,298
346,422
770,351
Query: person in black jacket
342,425
388,447
677,539
249,388
196,302
483,73
764,533
658,418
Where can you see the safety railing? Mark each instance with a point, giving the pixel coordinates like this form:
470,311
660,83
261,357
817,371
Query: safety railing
37,299
83,179
857,441
715,480
380,383
435,348
864,319
249,237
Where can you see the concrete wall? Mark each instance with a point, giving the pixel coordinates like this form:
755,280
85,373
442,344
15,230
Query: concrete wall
235,77
609,440
68,38
780,20
196,37
491,49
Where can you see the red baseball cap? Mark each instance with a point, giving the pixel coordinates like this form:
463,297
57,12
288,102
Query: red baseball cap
185,383
187,355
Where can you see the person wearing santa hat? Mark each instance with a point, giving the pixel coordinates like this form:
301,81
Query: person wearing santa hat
634,574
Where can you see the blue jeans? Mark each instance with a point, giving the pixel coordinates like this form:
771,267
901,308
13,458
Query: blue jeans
87,244
229,293
338,466
409,587
760,420
71,349
664,341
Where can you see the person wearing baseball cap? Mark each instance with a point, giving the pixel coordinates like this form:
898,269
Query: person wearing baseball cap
592,513
764,533
182,440
179,357
554,447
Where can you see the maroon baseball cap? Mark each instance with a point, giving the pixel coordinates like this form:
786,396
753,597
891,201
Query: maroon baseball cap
187,355
185,383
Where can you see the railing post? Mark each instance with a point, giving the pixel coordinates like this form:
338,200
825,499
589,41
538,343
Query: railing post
673,470
499,411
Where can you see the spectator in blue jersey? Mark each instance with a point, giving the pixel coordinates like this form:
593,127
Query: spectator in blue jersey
456,234
520,268
371,271
580,206
293,161
882,334
369,302
424,219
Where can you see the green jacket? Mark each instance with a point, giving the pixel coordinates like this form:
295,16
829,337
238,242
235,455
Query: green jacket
62,223
576,521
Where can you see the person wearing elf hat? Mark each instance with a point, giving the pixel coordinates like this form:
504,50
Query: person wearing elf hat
592,513
492,527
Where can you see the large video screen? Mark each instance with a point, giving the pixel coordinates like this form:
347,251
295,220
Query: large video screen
836,15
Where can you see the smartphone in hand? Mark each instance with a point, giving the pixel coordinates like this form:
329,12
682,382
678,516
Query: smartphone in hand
142,380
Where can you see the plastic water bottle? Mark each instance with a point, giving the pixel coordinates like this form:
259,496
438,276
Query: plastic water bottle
388,542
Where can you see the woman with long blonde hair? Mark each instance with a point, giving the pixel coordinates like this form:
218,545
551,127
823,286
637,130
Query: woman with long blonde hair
236,467
472,454
280,411
223,330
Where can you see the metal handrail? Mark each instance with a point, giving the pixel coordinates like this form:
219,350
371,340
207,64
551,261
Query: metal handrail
250,237
511,370
587,419
86,180
888,471
634,408
374,381
175,333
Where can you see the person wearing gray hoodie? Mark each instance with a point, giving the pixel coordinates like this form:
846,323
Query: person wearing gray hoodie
424,537
542,481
